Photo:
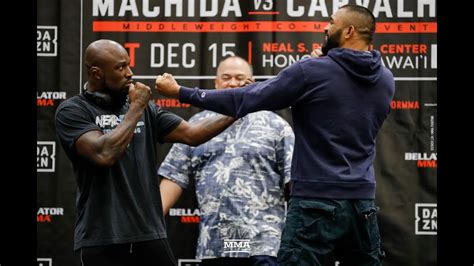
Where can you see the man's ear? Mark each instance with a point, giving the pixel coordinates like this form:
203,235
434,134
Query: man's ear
97,72
349,32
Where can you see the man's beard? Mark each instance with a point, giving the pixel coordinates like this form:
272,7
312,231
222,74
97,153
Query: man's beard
116,98
331,42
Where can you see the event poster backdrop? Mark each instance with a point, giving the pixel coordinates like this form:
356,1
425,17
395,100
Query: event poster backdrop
188,38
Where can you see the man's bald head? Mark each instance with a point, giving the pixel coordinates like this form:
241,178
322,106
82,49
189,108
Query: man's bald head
108,66
362,19
100,52
237,62
232,72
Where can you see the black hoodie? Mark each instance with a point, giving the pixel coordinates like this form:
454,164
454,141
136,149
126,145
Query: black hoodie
339,103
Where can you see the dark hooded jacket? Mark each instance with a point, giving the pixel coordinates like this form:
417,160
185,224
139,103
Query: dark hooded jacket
339,103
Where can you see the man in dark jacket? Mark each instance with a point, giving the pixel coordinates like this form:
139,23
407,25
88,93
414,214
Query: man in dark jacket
339,102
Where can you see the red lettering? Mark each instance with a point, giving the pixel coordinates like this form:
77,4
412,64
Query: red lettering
427,164
44,102
43,218
132,46
190,219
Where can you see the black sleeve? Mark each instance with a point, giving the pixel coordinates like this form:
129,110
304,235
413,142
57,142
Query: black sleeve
71,121
163,121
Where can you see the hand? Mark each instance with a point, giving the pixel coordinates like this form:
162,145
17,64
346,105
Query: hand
317,53
247,82
167,86
139,93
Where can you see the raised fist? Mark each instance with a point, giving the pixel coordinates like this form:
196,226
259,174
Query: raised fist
139,93
167,85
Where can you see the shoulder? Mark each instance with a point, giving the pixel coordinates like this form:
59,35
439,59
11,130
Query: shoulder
75,103
74,100
157,112
308,62
316,68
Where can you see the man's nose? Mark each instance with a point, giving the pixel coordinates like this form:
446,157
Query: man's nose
129,71
233,83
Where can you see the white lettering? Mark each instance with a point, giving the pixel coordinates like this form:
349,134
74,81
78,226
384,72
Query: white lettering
430,225
364,3
318,7
431,7
292,12
294,8
173,52
42,162
191,8
434,56
208,13
231,6
178,5
56,95
184,212
130,7
102,8
411,156
42,151
336,4
107,121
50,211
382,6
150,13
402,13
281,60
406,62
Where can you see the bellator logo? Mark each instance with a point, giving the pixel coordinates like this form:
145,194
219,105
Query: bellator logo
186,215
45,214
49,98
424,160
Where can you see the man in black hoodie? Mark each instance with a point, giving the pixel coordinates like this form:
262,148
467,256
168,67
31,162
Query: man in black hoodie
339,102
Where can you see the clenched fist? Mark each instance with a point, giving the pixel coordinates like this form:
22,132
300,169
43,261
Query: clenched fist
139,93
167,86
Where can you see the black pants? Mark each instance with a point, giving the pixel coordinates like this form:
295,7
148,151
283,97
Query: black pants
252,261
145,253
